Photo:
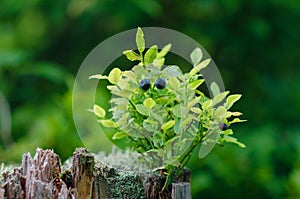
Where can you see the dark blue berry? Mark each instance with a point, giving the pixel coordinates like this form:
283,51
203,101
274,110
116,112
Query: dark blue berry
145,84
160,83
223,126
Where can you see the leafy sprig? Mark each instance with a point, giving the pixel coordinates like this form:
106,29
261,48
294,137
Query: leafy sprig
167,122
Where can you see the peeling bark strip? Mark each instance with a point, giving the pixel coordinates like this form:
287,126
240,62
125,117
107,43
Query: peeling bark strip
82,170
41,177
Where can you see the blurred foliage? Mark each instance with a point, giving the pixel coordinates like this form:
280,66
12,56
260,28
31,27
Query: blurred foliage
254,43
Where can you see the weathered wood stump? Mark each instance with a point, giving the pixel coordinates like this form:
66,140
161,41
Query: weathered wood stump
87,176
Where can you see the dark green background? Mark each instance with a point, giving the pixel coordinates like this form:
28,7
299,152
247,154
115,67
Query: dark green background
255,44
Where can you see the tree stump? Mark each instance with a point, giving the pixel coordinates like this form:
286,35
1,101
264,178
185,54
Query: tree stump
87,176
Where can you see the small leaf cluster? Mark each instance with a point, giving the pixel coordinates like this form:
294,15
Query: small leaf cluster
161,111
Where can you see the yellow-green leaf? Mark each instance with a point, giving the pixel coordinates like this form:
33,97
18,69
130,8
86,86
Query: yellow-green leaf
199,67
114,75
99,111
207,104
215,89
164,51
231,99
194,85
150,55
168,125
220,97
235,114
108,123
236,120
196,56
119,135
142,109
140,41
233,140
132,56
149,103
159,62
98,76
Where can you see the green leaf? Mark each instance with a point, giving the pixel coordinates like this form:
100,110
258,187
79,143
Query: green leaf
168,125
228,132
149,103
157,117
171,71
173,83
108,123
119,135
177,110
215,89
220,97
194,85
235,114
164,51
207,104
233,140
98,76
140,41
150,125
231,99
208,144
236,120
99,111
220,113
193,102
196,110
159,62
199,67
142,109
132,56
185,122
196,56
150,55
114,75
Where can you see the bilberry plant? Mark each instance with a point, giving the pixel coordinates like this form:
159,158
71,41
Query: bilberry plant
162,113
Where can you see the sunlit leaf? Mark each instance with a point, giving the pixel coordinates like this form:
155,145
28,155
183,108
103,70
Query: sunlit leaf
236,120
159,62
132,56
207,104
99,111
149,103
164,51
108,123
215,89
174,83
231,99
233,140
119,135
140,41
168,125
220,97
98,76
141,109
150,55
195,84
114,75
171,71
196,110
235,114
199,67
196,56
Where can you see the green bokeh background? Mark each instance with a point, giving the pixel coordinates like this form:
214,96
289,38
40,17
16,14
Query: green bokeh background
255,44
